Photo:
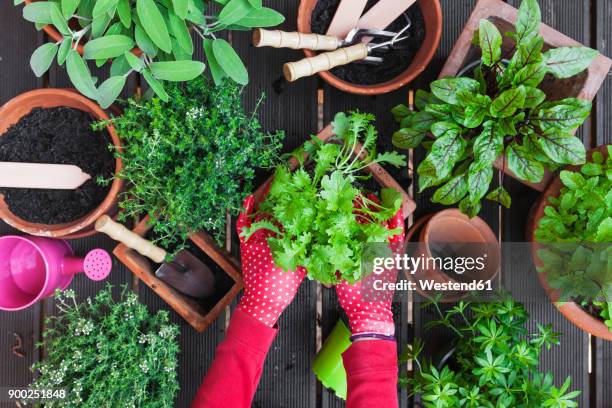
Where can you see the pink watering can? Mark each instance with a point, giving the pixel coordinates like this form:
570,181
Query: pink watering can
32,268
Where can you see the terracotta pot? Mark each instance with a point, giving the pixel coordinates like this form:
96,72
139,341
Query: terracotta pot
188,308
571,310
583,86
451,226
55,35
23,104
432,12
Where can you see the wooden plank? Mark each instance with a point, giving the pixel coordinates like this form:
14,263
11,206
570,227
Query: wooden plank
18,41
287,379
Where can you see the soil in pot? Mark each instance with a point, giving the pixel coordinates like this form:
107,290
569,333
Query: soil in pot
395,61
59,135
223,282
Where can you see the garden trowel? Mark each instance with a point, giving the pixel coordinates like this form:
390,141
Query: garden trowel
184,271
41,176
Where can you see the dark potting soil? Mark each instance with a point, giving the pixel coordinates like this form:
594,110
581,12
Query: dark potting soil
57,136
395,61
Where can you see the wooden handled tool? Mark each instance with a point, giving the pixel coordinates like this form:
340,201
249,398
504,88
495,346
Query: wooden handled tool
41,176
184,272
324,62
295,40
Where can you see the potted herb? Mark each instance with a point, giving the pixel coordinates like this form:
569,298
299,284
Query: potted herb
188,162
493,361
108,31
571,230
107,352
399,67
313,204
501,112
54,126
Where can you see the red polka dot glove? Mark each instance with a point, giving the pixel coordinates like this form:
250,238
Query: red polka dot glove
371,316
268,290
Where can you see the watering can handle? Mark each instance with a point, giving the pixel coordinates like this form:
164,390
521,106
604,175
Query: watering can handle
294,40
324,62
132,240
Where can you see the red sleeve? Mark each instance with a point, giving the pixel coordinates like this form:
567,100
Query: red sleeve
371,372
232,379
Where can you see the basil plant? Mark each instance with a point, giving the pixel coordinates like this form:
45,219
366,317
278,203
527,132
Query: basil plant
498,112
151,37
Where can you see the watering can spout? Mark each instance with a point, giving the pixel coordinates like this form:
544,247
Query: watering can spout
97,265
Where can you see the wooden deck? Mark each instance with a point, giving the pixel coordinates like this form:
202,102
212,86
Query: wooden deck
300,109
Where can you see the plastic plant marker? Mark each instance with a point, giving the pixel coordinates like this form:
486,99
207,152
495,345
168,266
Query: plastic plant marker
346,17
328,365
32,268
41,176
383,14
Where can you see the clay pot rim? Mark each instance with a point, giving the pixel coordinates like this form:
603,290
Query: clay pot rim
55,35
571,310
433,35
74,228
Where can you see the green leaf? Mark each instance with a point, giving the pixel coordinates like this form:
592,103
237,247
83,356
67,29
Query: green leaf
137,64
523,165
69,7
234,11
528,21
451,192
42,58
144,42
229,61
446,89
533,97
177,71
38,12
469,208
195,14
179,30
474,116
508,102
215,69
480,175
490,43
64,49
99,24
124,12
440,129
103,7
445,152
400,112
562,148
565,62
572,180
154,24
109,90
531,75
18,2
256,3
107,47
500,195
181,7
408,138
262,17
79,75
157,86
488,145
420,120
120,66
566,115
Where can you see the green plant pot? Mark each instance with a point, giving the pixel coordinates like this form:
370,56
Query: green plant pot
328,366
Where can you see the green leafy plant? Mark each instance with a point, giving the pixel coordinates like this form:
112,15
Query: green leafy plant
500,112
575,231
190,159
494,364
109,353
109,31
313,207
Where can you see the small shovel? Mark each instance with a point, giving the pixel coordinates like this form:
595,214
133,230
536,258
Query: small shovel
184,272
41,176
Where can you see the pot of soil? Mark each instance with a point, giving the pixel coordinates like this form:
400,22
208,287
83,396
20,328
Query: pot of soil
54,126
328,365
455,250
400,66
199,313
583,317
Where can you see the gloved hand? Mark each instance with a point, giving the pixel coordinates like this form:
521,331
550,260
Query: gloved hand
268,290
372,319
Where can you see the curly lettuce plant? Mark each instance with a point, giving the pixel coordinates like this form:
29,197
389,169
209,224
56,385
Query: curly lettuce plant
109,353
499,112
190,159
109,31
576,231
494,364
313,207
